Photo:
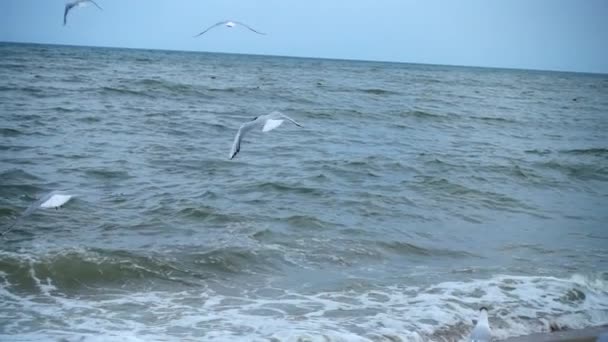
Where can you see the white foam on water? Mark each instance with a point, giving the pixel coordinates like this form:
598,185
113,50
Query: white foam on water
442,312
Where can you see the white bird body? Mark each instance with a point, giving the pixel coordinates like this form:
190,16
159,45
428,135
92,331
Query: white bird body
268,123
229,24
76,3
481,332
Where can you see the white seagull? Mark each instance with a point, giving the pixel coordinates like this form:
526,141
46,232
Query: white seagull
269,122
228,23
73,4
482,332
54,199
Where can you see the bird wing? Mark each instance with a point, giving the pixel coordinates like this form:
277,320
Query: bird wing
210,27
26,213
249,27
68,7
288,118
236,145
271,124
56,200
94,3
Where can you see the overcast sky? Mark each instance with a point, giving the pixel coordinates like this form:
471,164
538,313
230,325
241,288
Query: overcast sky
531,34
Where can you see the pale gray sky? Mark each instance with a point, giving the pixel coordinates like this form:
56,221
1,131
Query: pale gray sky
532,34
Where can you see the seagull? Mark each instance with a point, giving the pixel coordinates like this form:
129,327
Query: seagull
230,24
269,122
54,199
73,4
482,332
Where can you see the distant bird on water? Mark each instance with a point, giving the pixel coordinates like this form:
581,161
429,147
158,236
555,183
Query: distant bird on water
54,199
482,332
269,122
230,24
76,3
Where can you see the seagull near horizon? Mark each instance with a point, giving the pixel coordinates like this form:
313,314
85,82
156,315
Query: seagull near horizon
268,123
54,199
73,4
482,332
230,24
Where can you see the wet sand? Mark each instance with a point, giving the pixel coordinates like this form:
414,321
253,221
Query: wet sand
581,335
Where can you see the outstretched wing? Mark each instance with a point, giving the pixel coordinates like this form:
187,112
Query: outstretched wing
55,200
236,145
94,3
249,27
210,27
68,7
278,115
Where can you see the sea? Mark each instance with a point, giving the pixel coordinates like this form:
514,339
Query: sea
412,196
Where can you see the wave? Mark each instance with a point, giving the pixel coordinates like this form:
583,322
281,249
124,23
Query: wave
107,174
376,91
279,187
539,152
493,119
422,115
13,66
492,200
406,248
17,175
206,214
124,92
77,268
365,312
597,152
308,222
580,171
10,132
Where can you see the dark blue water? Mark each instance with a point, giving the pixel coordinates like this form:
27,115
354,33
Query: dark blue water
413,195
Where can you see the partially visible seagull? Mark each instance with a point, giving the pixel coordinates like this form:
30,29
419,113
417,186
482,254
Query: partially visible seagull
230,24
54,199
482,332
269,122
73,4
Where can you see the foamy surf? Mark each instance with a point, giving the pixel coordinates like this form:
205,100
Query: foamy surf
518,305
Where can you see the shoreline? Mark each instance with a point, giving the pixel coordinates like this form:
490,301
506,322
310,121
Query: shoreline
590,334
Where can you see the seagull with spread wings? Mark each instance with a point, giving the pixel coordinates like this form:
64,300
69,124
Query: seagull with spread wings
268,123
76,3
230,24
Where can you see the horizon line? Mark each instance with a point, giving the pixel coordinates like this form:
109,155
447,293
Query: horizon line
312,57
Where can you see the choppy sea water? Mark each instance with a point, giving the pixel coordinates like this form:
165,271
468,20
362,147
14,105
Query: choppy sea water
413,195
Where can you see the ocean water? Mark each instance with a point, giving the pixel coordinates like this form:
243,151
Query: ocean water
413,195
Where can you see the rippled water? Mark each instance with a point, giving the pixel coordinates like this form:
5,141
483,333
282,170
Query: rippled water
413,195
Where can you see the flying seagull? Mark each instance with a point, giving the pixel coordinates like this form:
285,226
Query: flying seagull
54,199
268,121
73,4
482,332
230,24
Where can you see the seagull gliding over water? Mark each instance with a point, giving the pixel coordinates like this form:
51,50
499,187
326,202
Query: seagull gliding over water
73,4
54,199
269,122
228,23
